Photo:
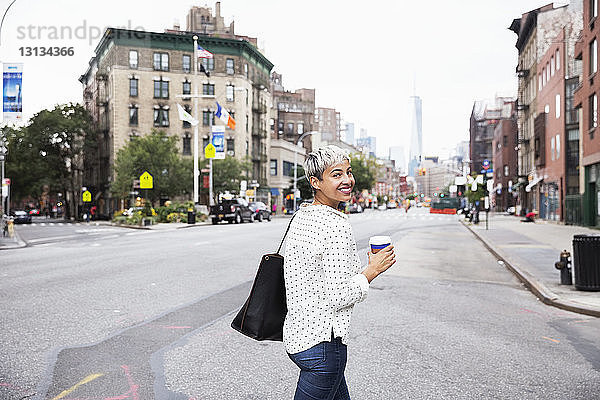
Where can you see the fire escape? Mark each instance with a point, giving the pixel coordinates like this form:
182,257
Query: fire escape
524,136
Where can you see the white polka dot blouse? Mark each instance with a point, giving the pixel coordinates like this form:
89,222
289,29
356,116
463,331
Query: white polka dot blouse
323,277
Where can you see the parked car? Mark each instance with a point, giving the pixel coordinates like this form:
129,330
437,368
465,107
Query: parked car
356,208
234,210
260,210
391,204
20,217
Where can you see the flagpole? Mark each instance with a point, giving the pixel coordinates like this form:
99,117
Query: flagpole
210,160
196,116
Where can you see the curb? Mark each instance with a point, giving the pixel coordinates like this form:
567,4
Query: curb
20,243
540,290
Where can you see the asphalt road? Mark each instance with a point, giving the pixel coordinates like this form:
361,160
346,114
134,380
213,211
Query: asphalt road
96,312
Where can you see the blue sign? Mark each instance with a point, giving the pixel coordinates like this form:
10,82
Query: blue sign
12,101
483,171
218,140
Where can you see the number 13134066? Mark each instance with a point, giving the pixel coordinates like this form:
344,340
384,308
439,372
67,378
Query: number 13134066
46,51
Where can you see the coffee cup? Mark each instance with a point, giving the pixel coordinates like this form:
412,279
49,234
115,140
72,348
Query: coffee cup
379,242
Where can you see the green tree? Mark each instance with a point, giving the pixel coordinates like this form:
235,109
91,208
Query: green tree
477,195
158,154
227,174
364,169
50,151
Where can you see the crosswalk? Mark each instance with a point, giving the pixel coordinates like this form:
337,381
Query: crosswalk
404,216
34,224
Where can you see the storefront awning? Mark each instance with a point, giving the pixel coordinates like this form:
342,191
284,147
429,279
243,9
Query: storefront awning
533,183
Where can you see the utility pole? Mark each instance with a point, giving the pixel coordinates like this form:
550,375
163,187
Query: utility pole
296,162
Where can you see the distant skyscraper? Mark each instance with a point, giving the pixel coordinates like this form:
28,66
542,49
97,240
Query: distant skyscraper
397,154
369,142
416,135
350,133
363,133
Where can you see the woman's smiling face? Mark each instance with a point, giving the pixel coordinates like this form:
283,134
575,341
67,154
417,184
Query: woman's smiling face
336,185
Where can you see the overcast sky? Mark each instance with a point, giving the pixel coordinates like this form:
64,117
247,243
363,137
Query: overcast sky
362,57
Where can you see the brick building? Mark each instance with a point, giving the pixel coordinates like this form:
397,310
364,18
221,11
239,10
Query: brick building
131,87
586,100
329,123
504,145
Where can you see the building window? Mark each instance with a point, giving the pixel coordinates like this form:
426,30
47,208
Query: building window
552,148
505,169
229,66
593,111
187,145
557,106
208,63
557,58
300,127
161,89
552,66
187,88
246,70
206,116
186,63
540,82
593,57
230,90
593,9
273,167
290,128
543,77
133,59
161,61
208,89
505,140
161,117
547,73
188,109
230,145
133,87
288,168
133,116
558,146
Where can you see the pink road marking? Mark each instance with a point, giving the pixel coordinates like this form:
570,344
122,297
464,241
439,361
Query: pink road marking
132,386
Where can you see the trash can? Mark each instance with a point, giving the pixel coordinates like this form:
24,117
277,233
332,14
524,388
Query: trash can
191,217
586,262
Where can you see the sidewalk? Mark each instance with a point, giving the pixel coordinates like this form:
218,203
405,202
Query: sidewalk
530,250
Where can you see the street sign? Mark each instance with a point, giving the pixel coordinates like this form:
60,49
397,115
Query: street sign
86,196
460,180
486,164
250,193
136,183
210,151
243,185
146,181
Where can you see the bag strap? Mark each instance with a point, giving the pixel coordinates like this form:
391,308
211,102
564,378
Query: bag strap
285,234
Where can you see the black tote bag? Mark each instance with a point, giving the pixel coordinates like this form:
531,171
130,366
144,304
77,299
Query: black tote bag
262,316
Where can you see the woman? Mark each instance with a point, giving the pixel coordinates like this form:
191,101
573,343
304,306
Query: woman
324,278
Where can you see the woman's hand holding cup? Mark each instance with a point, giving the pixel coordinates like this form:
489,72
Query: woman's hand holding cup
381,256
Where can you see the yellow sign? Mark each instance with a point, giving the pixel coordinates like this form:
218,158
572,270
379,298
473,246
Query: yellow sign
210,151
146,181
87,196
250,193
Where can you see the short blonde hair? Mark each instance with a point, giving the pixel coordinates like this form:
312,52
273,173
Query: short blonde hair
318,161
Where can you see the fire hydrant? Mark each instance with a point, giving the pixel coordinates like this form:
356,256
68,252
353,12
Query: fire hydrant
565,269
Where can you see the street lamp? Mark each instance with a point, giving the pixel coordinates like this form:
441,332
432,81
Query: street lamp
305,134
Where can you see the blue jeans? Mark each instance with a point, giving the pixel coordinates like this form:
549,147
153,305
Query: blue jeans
322,372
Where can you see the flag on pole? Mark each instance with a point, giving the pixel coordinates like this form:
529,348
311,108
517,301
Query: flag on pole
203,53
224,116
185,116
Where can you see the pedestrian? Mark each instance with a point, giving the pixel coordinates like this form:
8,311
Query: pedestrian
324,278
